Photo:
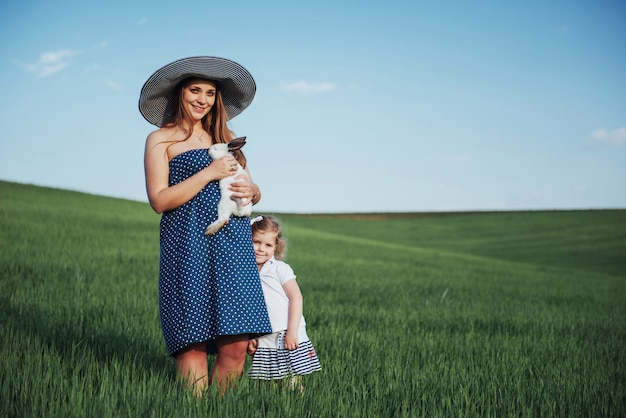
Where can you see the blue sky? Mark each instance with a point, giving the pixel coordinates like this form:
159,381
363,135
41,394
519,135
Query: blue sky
361,106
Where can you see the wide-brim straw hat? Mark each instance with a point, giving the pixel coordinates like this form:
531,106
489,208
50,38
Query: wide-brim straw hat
157,101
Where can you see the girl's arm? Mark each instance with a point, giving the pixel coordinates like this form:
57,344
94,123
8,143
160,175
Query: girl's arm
295,313
162,197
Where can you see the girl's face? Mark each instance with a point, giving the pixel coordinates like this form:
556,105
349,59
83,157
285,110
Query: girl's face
199,97
264,243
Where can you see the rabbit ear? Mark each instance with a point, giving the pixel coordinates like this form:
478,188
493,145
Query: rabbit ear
237,143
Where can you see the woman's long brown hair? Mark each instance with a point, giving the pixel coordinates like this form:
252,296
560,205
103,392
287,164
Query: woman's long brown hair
215,122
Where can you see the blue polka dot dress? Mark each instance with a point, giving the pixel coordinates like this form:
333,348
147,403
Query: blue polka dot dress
209,286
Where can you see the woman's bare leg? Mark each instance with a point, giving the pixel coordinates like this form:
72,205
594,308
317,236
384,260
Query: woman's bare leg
231,357
192,366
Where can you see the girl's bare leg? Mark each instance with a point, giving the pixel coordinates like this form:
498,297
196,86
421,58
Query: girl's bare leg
295,383
231,357
193,368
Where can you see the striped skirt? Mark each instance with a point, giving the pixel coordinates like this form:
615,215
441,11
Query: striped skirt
273,361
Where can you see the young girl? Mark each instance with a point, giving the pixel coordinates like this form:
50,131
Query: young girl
287,352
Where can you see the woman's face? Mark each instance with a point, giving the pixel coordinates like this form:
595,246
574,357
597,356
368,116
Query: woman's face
199,97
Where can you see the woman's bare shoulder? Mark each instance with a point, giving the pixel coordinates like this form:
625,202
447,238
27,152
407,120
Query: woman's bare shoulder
165,134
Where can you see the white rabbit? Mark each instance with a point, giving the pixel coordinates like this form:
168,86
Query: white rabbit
227,205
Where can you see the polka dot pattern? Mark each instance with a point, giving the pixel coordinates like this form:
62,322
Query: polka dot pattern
208,285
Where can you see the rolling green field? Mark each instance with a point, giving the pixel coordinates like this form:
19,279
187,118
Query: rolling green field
420,314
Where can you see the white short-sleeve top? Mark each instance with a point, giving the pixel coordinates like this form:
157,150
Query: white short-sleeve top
274,274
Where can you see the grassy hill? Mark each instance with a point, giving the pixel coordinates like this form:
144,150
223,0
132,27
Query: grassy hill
592,240
418,314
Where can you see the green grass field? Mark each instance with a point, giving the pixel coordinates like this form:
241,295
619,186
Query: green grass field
428,314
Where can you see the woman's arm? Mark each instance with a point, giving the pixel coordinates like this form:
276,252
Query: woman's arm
161,195
295,313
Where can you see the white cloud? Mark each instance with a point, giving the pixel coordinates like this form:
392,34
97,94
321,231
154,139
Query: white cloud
50,62
304,87
615,137
113,85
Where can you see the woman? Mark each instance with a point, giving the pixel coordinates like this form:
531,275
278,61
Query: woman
210,294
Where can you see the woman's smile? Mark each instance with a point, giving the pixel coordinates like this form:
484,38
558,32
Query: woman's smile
199,109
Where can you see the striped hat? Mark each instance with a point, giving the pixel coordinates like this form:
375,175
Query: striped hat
157,101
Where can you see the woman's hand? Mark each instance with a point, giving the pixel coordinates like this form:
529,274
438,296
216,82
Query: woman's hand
243,188
224,167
